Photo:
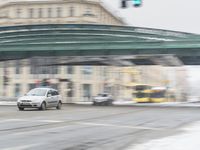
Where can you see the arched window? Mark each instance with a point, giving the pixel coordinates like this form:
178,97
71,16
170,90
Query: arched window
87,70
59,12
49,12
40,13
31,11
71,11
18,12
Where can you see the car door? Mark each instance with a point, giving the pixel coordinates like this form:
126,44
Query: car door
50,98
55,98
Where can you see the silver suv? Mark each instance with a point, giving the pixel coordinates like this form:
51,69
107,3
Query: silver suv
103,99
41,98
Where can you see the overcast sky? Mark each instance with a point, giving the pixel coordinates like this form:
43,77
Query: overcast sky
178,15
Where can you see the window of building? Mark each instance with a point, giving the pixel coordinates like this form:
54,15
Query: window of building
59,12
49,12
48,70
87,70
18,13
17,67
71,11
87,90
37,69
31,13
17,90
55,86
32,86
70,70
70,92
88,12
40,13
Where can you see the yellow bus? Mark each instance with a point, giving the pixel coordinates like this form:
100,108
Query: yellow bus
146,93
162,94
142,96
158,95
142,93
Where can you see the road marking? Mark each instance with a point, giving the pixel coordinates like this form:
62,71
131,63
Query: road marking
29,120
17,119
88,123
11,120
21,147
118,126
50,121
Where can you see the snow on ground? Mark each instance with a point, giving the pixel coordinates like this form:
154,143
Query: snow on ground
8,103
188,140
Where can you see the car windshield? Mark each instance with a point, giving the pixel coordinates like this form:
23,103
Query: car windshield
141,95
158,94
37,92
103,95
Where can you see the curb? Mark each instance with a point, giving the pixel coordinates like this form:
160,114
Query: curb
180,105
183,105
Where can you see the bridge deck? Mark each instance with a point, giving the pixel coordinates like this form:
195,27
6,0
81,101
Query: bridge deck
95,40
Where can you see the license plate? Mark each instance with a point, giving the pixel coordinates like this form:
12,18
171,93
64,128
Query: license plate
25,104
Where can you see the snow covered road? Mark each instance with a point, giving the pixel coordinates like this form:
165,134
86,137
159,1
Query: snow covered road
187,140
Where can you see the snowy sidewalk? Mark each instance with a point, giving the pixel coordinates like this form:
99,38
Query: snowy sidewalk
8,103
8,100
165,104
188,140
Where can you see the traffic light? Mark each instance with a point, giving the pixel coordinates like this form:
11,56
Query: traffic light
123,4
137,3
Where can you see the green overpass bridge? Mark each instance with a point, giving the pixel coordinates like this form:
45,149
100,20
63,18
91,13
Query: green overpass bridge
81,44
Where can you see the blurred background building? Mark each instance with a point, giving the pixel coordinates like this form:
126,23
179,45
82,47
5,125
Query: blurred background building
18,12
76,83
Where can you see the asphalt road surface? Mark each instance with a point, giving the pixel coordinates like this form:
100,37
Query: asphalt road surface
78,127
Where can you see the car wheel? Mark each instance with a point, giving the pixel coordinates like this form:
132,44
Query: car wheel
106,103
43,106
20,108
59,105
110,102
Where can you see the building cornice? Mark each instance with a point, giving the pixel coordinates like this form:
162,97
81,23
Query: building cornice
22,2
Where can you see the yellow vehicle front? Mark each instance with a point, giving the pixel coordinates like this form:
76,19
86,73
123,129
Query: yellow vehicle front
158,96
142,96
